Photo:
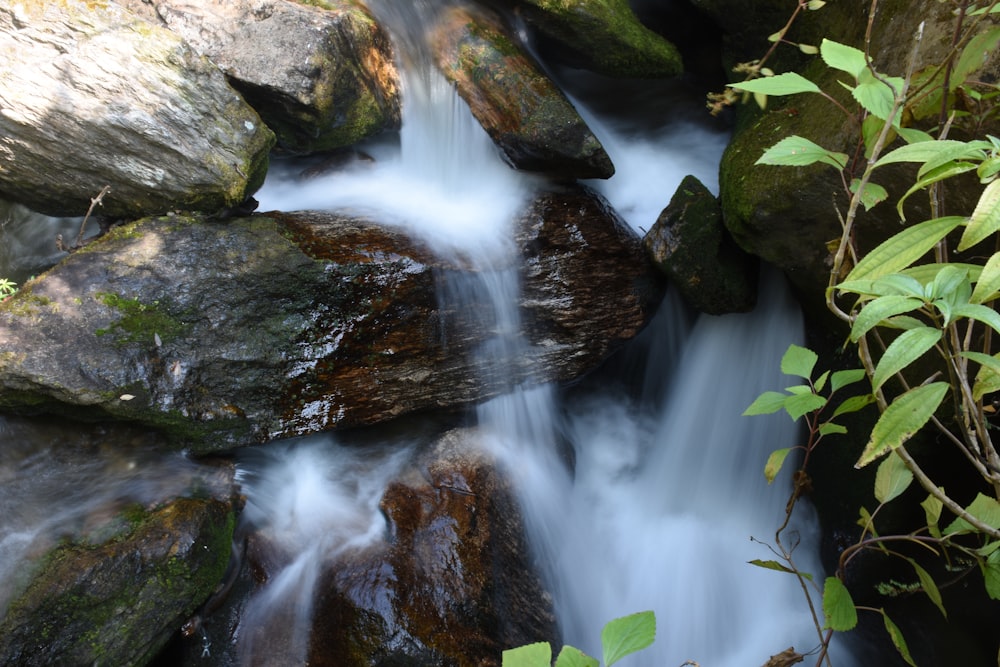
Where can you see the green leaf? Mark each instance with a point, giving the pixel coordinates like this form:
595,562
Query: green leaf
821,381
880,309
853,404
571,656
872,193
983,314
897,639
924,151
907,348
798,361
627,635
774,463
989,281
778,567
991,575
871,128
841,379
975,55
988,169
788,83
912,135
829,428
878,97
929,585
529,655
838,606
932,511
902,249
951,282
988,377
961,152
891,479
798,151
925,273
845,58
941,173
985,219
802,404
767,403
906,415
984,508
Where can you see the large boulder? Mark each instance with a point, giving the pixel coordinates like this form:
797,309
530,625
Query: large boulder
603,36
526,115
119,601
93,96
268,327
321,76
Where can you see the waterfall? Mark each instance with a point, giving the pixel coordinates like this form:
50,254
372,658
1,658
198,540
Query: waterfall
667,488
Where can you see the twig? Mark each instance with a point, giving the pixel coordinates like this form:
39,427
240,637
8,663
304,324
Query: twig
95,201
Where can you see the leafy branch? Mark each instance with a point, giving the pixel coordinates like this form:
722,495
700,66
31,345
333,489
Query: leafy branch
939,317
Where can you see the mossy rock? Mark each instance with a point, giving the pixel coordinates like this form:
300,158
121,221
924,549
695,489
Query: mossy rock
691,245
603,36
119,602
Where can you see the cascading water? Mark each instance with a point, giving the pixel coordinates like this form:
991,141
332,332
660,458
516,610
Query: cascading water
667,487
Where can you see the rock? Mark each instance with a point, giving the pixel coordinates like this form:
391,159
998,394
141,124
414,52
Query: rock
692,247
260,328
93,96
603,36
321,75
455,585
119,602
522,110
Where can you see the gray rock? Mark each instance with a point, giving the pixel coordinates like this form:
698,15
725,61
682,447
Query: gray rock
321,75
93,96
269,327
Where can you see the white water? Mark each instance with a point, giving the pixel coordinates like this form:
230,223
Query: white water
667,487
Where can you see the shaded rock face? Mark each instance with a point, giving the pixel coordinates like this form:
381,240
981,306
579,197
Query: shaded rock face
603,36
691,245
455,585
322,77
267,327
119,602
93,96
526,115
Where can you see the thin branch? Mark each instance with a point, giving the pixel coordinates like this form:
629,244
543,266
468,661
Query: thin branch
95,201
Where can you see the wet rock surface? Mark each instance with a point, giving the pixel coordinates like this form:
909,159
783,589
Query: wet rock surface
252,329
454,585
118,600
522,110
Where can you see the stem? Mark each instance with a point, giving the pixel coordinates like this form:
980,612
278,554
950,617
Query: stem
93,202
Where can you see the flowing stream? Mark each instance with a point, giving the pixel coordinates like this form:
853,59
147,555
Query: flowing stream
667,487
